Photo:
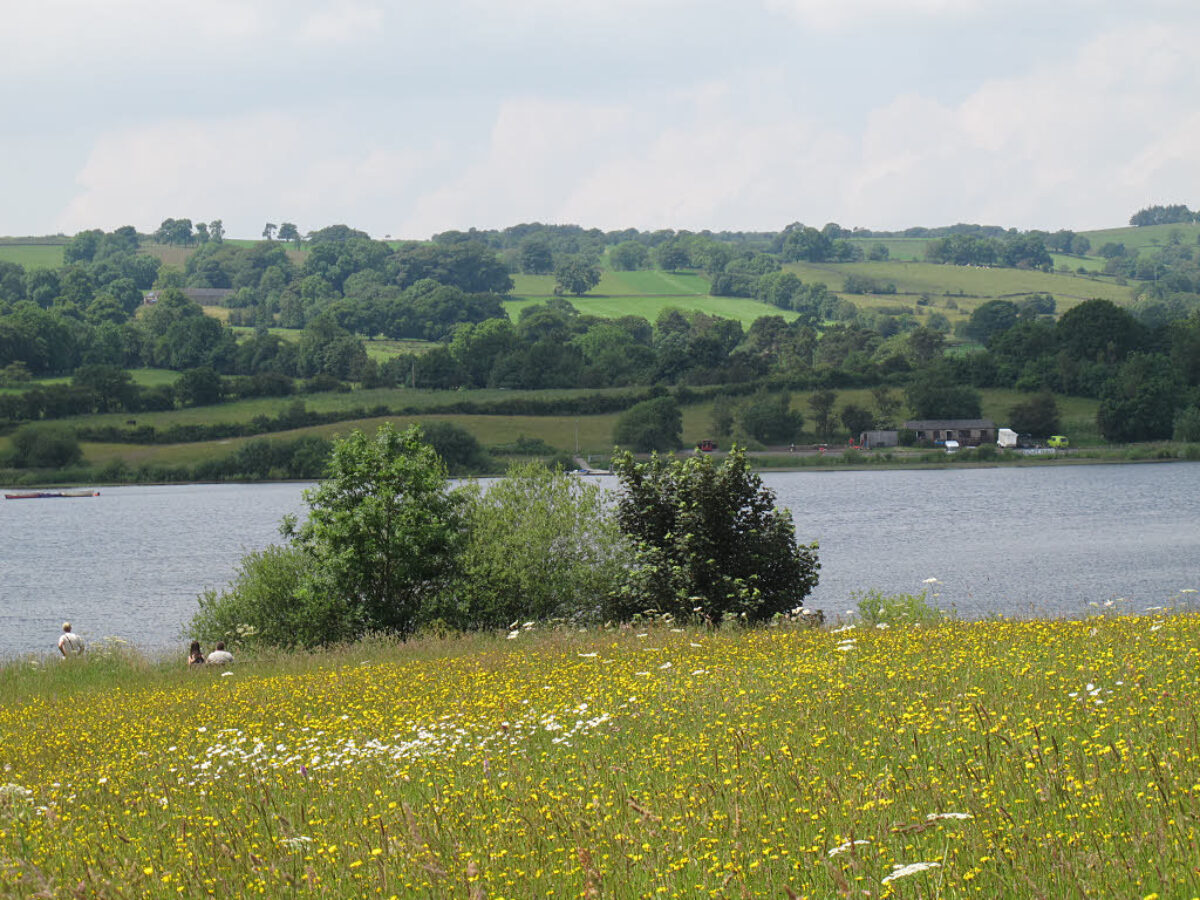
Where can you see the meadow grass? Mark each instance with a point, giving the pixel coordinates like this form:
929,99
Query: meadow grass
144,377
645,282
743,310
991,759
33,256
1146,237
331,401
976,283
591,434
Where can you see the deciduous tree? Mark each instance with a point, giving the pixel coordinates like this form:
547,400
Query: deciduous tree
709,541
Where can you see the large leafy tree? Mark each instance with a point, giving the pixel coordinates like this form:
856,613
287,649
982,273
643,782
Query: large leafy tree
383,531
709,541
577,275
769,418
1140,401
543,544
650,425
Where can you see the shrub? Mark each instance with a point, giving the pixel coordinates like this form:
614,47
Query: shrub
44,447
650,425
458,448
708,542
383,531
769,418
266,604
543,544
877,608
1187,425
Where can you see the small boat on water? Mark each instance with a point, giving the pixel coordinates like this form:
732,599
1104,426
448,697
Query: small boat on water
43,495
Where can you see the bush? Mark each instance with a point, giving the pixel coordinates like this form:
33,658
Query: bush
650,425
383,531
381,539
458,448
769,418
266,604
44,447
877,608
708,542
1187,425
543,544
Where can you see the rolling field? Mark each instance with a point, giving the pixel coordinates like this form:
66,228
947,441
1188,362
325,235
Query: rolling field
966,282
591,434
1003,759
1146,237
246,410
899,248
647,282
33,256
745,311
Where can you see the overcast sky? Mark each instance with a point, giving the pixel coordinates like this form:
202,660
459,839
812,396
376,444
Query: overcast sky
408,118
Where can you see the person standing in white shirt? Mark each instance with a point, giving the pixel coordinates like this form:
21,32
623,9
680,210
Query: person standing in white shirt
69,643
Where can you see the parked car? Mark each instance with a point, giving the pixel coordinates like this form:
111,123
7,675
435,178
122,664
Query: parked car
707,446
1058,441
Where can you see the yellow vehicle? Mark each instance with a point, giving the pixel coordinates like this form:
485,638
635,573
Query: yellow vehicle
1058,441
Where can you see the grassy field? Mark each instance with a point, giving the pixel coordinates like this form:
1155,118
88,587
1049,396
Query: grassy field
745,311
1147,237
143,377
966,282
32,256
899,248
591,435
649,282
988,759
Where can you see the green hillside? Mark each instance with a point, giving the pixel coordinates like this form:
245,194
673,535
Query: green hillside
745,311
1146,237
646,282
32,256
972,282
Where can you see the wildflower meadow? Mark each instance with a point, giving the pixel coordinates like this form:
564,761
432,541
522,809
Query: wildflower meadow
991,759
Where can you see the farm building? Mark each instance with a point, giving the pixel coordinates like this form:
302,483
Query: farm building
968,432
885,438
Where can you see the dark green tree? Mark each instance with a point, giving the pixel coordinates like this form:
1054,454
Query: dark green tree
535,256
1140,401
933,395
709,542
822,402
1099,331
857,419
722,417
199,387
628,256
44,446
289,232
769,418
650,425
1038,416
577,275
383,531
990,319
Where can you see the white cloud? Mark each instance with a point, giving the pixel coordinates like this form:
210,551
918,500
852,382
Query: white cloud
340,24
857,14
1082,140
1110,128
243,170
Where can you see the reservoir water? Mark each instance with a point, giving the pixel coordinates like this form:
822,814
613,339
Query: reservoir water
1047,540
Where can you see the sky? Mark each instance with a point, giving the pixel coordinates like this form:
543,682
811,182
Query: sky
409,118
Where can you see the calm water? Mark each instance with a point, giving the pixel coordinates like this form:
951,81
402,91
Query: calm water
1048,540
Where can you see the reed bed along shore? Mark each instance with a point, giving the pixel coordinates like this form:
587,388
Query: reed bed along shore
993,759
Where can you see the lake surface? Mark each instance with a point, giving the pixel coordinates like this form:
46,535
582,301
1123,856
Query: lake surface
1046,540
